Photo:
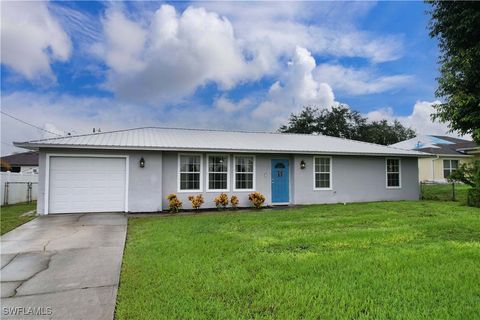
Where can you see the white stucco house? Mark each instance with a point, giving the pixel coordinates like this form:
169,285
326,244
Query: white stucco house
446,155
134,170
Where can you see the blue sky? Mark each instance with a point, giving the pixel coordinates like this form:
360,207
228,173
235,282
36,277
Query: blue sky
72,66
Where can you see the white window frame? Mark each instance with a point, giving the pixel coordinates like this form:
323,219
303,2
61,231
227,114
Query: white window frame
201,172
330,172
399,173
450,168
208,172
235,172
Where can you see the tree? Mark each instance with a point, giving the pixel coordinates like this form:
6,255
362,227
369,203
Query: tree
469,173
343,122
456,25
304,122
340,121
382,132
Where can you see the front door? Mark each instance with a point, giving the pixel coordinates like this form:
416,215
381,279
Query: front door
280,181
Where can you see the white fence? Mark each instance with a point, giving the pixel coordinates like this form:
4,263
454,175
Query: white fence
18,187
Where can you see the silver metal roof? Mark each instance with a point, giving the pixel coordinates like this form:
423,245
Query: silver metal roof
153,138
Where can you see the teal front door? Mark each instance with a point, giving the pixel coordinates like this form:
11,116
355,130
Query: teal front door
280,181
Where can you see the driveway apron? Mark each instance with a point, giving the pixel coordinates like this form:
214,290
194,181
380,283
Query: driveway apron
62,267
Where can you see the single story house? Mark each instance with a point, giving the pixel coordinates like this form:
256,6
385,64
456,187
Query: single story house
134,170
446,154
24,162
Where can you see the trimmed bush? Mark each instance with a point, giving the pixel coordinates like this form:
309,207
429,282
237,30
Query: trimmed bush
221,201
257,199
174,204
196,201
234,201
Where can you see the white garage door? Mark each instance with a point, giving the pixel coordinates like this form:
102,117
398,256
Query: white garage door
84,184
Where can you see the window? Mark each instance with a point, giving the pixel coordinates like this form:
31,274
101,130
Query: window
189,172
217,174
322,173
393,173
449,166
244,173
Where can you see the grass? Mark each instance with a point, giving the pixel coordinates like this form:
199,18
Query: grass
11,215
390,260
444,192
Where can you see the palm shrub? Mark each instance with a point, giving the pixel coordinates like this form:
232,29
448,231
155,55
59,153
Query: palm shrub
469,173
174,204
257,199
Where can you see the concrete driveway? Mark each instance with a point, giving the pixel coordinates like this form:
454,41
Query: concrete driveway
62,267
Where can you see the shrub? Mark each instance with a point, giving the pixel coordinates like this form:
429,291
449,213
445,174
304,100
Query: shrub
473,197
221,201
196,201
469,173
234,201
174,204
257,199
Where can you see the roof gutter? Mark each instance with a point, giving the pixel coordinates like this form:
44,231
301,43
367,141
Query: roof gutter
38,146
454,155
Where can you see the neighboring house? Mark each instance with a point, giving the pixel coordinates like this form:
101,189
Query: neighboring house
25,162
134,170
447,154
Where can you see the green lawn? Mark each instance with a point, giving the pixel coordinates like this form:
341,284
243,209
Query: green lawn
402,260
10,215
444,192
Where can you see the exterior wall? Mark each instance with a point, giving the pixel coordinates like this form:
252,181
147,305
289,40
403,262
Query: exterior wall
145,184
431,169
262,180
425,169
355,179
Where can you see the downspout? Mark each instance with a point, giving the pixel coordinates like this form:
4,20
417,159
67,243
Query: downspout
433,166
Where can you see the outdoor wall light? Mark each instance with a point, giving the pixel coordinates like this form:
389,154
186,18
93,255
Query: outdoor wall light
142,162
302,164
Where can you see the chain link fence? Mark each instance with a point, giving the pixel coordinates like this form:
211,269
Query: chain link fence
18,187
430,190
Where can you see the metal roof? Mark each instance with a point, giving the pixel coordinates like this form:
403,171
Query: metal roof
154,138
438,145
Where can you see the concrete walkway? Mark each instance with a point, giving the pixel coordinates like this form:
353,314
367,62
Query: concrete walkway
62,267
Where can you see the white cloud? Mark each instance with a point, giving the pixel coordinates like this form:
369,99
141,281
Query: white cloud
419,119
173,54
358,81
297,89
280,27
167,55
32,39
125,43
227,105
82,26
